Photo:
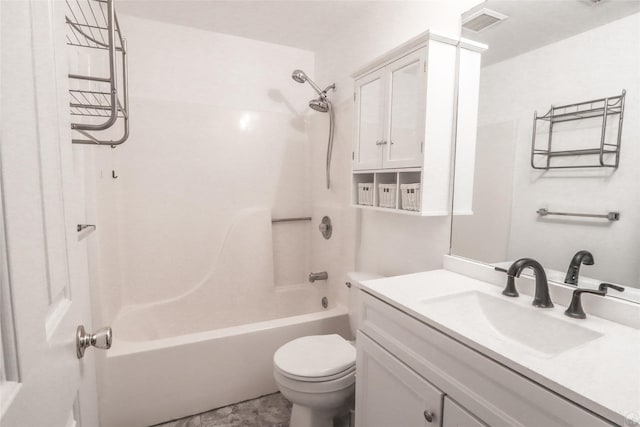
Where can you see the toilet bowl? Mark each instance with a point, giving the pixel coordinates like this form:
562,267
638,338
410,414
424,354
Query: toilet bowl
317,373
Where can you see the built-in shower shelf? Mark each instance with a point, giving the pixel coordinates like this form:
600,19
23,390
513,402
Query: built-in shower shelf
98,99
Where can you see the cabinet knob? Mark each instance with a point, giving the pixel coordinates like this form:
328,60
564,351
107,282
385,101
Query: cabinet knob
428,416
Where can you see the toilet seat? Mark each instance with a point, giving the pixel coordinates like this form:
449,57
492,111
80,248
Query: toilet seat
315,358
316,379
315,387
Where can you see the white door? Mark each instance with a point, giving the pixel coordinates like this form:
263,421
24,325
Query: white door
407,94
45,293
370,119
388,393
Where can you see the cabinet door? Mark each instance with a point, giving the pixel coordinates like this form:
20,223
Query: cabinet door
456,416
407,100
370,118
388,393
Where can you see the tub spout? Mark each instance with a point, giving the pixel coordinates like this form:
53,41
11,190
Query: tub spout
318,276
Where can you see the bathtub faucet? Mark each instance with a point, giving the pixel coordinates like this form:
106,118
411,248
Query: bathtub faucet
318,276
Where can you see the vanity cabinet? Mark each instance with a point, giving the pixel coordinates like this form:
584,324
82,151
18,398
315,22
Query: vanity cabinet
406,367
457,416
390,394
406,118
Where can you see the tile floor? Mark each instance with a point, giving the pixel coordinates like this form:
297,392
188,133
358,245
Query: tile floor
272,410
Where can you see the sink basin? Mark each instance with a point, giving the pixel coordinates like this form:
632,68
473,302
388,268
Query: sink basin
479,313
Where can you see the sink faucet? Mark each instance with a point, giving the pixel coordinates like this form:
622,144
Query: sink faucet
541,297
581,257
575,309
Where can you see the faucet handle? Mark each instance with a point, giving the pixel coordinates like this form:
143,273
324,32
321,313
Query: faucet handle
575,309
604,286
503,270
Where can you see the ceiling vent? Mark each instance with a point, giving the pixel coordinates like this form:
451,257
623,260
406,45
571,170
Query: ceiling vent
482,19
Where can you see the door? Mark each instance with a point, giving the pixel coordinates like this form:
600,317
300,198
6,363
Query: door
388,393
370,119
45,293
406,94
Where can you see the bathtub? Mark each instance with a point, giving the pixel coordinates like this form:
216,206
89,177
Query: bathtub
147,381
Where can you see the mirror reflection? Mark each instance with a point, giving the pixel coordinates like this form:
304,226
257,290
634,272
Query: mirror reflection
558,133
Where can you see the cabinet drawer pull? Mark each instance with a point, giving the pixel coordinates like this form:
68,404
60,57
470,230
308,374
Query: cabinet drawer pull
428,416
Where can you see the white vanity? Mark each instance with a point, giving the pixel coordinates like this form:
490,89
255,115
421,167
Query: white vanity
444,349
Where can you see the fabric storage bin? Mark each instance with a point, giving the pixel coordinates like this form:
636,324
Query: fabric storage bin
410,196
365,193
387,195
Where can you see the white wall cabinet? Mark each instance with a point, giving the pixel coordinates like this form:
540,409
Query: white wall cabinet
406,367
405,109
390,114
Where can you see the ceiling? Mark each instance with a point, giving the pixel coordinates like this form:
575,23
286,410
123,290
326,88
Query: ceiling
305,24
535,23
301,24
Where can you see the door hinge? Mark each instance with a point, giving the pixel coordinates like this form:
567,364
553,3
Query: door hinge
354,97
424,68
421,145
353,155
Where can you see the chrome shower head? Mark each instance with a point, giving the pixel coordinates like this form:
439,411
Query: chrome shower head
319,104
299,76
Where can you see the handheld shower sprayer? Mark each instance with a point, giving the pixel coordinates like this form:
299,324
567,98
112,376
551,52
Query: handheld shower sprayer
323,105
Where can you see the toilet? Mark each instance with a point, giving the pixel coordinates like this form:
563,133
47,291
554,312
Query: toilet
317,373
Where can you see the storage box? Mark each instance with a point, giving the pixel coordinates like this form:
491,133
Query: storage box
410,194
387,195
365,193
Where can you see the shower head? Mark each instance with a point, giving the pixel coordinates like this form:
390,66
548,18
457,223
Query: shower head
319,104
301,77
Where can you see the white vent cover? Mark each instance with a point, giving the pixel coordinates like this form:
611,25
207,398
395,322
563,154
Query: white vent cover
482,19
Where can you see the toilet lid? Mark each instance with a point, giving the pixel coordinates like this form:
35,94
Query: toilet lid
315,356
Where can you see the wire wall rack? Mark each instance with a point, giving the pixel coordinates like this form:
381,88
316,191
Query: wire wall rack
98,90
606,154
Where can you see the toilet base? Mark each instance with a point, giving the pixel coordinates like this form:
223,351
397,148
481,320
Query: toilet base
303,416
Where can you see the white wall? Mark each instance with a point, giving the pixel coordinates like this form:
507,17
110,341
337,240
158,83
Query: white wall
218,129
594,64
372,241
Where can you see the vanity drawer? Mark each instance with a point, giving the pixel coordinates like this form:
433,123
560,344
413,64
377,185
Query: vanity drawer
494,393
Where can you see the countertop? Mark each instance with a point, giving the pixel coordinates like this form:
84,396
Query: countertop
602,375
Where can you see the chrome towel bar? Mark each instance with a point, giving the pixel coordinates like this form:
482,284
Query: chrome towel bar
302,218
611,216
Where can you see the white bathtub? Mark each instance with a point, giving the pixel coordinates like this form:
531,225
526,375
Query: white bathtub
147,381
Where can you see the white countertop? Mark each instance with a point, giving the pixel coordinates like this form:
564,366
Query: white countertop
602,375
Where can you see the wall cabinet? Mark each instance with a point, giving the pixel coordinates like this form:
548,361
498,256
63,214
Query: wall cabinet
405,119
406,367
390,114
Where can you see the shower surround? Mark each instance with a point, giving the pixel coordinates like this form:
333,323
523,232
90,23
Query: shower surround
198,284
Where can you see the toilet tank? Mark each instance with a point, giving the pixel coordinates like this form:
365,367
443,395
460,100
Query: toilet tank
355,278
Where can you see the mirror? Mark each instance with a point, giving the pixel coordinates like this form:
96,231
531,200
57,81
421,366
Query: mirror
544,54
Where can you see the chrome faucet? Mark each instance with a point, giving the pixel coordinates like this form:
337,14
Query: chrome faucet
541,297
581,257
318,276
